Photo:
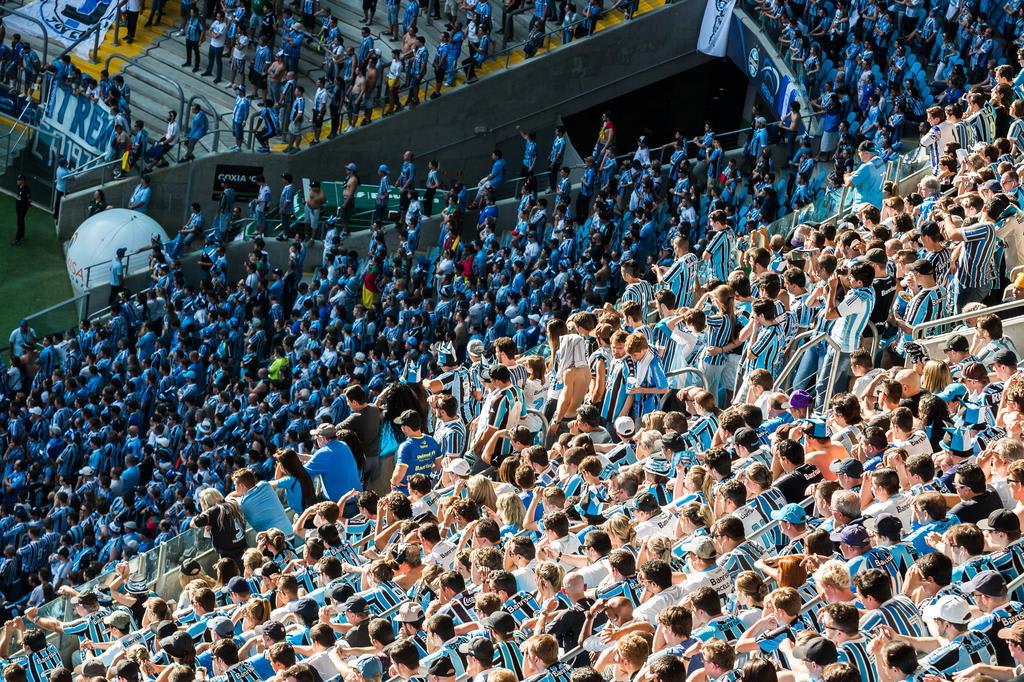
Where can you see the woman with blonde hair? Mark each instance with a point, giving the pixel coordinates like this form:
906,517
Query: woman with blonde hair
569,370
256,612
936,376
694,486
622,532
224,523
511,513
480,490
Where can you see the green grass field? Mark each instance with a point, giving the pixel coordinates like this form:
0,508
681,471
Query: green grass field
33,275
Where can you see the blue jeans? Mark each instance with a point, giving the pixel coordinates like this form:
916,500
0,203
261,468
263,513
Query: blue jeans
842,376
809,365
215,60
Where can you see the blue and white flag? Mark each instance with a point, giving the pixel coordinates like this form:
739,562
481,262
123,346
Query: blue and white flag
714,30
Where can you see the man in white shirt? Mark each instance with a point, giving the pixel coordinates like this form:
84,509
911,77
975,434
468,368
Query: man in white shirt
652,521
883,485
704,570
218,35
656,579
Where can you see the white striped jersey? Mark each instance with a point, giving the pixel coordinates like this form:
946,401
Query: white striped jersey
854,312
960,653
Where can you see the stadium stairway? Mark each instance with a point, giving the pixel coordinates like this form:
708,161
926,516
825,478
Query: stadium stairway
152,65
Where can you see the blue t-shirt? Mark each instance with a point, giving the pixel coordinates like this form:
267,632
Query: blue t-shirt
263,510
336,467
419,454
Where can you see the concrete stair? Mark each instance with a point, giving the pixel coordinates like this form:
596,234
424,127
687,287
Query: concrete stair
160,53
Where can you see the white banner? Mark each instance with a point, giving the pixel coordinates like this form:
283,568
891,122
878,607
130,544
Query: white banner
65,20
714,30
83,125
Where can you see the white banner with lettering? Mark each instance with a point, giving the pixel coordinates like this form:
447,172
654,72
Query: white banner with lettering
65,20
714,30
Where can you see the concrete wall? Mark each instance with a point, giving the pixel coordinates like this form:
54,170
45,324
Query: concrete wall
459,128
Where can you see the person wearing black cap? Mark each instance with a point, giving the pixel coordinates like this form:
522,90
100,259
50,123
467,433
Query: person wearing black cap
849,473
1002,533
479,653
925,305
998,612
886,530
502,626
416,455
958,354
89,624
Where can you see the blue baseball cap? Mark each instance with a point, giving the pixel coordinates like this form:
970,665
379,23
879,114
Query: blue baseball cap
383,168
815,428
851,467
791,513
953,392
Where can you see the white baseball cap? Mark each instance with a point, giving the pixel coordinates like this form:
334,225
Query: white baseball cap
625,426
458,466
951,608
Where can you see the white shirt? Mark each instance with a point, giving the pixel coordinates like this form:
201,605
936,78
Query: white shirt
218,33
240,48
662,524
594,574
323,664
716,578
916,444
171,136
650,609
525,579
443,554
899,505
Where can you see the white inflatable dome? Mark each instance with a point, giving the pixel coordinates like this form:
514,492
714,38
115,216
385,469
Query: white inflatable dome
96,241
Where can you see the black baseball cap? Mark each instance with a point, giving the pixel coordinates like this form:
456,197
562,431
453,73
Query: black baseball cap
958,343
988,583
748,438
479,648
1002,521
817,650
887,525
502,621
410,418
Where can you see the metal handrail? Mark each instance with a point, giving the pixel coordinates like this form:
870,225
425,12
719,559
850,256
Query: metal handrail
794,359
212,114
917,330
686,371
134,61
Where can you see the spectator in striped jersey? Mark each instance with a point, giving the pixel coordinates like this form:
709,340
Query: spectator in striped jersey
875,588
637,289
841,623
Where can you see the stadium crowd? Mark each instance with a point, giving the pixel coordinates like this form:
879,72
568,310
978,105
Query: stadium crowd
495,463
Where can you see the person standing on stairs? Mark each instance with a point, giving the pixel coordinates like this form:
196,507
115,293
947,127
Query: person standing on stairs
215,56
194,30
133,8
